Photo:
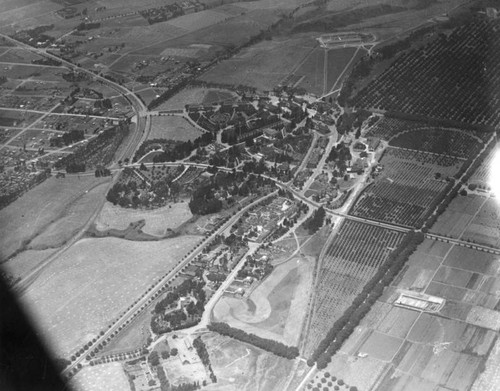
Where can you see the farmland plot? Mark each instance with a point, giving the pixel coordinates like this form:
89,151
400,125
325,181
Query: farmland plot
354,256
388,128
254,67
419,82
80,292
407,187
484,228
400,349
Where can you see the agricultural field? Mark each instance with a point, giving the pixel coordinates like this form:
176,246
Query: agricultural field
158,221
313,71
18,55
255,68
215,37
419,82
418,135
397,348
274,308
173,128
352,258
21,264
56,197
73,218
410,183
458,215
69,317
188,96
239,366
339,61
484,177
105,377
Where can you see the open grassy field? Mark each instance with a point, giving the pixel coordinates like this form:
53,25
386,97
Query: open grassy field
19,55
338,60
21,264
72,219
87,286
173,128
313,70
105,377
199,20
54,197
157,220
17,11
254,67
133,337
240,366
183,98
274,308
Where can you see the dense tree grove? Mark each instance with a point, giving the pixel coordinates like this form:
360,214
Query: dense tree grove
345,325
203,201
171,150
67,138
164,322
98,151
275,347
315,222
164,383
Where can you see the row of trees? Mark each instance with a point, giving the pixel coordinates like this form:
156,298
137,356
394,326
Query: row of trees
202,351
345,325
269,345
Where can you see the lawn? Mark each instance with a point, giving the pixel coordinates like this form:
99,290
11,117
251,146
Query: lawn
173,128
79,293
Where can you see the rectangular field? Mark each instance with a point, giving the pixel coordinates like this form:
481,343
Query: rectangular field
427,350
353,257
254,67
406,187
173,128
80,292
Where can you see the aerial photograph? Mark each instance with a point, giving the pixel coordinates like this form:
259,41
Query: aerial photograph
267,195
